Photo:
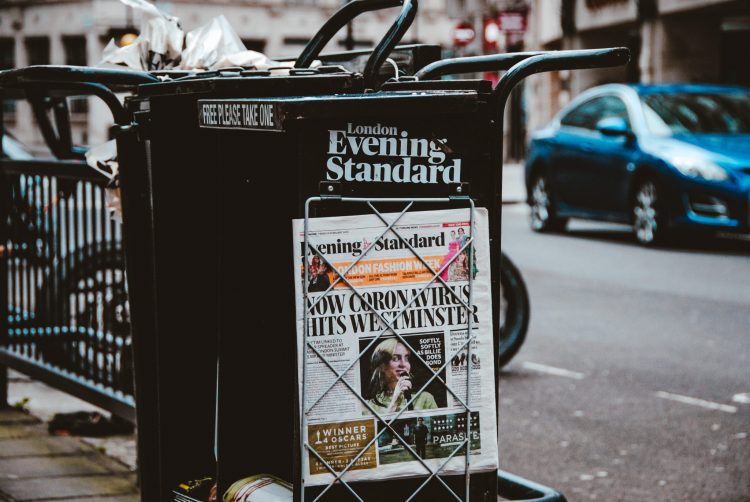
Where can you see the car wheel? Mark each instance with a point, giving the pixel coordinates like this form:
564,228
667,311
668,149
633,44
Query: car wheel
649,226
515,311
543,213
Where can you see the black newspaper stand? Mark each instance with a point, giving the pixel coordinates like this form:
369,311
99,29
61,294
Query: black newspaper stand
190,207
214,170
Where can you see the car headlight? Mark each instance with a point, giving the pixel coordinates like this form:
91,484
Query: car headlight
699,168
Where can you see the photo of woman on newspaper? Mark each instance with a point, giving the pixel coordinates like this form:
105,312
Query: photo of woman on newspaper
318,273
457,269
391,385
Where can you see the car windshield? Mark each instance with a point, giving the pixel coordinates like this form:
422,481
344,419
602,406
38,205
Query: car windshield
696,113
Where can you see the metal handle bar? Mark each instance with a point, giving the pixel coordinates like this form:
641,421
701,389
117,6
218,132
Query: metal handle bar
349,12
558,60
41,82
512,487
58,139
101,91
471,64
45,87
111,77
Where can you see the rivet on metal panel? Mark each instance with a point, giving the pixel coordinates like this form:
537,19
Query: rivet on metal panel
330,189
460,191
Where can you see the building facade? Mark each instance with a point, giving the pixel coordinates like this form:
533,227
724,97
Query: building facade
75,32
670,41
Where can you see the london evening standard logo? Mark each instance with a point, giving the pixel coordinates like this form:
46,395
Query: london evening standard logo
383,154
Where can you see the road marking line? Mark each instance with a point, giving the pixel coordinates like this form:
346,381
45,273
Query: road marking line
743,398
551,370
709,405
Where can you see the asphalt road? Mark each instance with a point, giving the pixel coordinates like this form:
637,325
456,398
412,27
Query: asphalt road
634,380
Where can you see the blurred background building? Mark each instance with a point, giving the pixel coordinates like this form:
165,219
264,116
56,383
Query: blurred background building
75,32
671,41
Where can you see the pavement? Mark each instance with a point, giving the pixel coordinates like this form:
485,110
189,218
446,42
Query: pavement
514,186
43,402
35,466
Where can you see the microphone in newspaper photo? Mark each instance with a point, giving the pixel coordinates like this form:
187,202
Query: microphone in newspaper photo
403,386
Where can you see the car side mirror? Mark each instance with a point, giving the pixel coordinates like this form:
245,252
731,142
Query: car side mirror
614,126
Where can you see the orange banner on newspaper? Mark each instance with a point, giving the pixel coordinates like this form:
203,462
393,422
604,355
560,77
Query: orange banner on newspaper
387,271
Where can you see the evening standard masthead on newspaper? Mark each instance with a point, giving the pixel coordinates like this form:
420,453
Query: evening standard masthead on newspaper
416,381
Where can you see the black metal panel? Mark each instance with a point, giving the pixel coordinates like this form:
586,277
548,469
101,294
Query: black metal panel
138,240
172,194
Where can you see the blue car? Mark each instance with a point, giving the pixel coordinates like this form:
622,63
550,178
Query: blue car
666,159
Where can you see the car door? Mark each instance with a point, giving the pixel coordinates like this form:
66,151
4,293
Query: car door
571,174
607,161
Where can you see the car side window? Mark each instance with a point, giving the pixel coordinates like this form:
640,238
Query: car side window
585,115
591,112
614,107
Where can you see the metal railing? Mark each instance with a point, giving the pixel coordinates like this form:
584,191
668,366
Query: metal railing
64,307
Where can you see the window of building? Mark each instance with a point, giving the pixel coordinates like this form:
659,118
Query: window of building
37,49
75,50
296,40
254,44
8,61
7,53
75,55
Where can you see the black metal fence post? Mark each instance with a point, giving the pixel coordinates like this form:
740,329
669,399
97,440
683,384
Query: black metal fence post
3,265
4,254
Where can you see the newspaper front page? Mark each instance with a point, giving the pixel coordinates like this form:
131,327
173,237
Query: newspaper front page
402,337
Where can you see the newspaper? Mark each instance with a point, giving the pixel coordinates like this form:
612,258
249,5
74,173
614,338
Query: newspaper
402,335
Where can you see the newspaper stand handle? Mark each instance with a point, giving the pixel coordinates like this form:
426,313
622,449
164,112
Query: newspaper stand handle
513,487
472,64
48,74
555,61
37,83
348,12
99,82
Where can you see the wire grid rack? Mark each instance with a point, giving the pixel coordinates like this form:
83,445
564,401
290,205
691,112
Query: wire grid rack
308,403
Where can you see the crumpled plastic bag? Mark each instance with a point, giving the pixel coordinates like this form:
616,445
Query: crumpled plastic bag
129,56
164,37
162,45
103,158
206,45
159,45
